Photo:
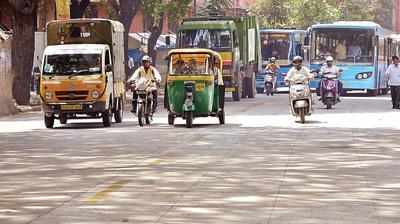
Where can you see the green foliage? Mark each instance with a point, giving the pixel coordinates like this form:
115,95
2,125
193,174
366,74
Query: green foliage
215,7
175,10
303,13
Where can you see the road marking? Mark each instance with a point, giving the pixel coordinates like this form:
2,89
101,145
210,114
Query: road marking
102,195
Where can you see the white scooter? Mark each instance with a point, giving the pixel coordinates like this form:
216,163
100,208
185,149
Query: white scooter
300,99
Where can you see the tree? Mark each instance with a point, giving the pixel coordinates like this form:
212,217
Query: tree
158,10
216,7
272,13
124,11
78,8
24,24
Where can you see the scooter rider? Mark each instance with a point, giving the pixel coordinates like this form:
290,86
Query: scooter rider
148,72
273,67
331,68
298,72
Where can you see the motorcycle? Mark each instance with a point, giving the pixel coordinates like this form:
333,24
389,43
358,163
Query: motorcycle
145,101
300,99
269,83
329,90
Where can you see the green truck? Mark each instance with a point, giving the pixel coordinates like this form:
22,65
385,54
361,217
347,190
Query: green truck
237,39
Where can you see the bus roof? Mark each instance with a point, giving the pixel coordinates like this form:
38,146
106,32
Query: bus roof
281,31
349,25
208,24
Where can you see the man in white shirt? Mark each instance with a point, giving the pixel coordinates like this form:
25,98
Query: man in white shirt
298,72
392,75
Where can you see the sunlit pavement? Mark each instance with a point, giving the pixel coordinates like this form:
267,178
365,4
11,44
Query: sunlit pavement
262,167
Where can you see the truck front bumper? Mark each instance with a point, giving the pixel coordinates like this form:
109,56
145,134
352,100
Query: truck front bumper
75,108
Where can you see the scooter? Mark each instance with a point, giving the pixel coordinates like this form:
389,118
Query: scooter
329,90
145,102
300,99
269,83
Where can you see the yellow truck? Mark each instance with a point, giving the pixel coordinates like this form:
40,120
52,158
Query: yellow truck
82,72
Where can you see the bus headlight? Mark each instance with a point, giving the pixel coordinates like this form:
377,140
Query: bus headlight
364,75
48,95
95,94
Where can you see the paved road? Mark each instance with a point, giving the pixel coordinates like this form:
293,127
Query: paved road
262,167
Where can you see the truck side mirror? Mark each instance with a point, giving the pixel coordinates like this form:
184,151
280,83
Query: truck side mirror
108,68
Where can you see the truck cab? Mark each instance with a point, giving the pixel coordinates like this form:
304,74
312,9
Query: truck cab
82,78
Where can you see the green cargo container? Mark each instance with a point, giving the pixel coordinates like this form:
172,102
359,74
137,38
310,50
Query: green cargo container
237,39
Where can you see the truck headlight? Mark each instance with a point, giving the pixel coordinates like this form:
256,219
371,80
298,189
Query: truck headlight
48,95
95,94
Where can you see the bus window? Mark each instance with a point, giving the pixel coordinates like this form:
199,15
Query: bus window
347,46
275,45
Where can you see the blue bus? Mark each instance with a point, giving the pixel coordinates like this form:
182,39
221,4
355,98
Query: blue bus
361,49
283,44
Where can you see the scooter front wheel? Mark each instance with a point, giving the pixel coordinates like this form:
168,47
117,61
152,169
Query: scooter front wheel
302,114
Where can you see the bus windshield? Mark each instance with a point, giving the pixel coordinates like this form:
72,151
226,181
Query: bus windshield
347,46
210,39
275,45
70,64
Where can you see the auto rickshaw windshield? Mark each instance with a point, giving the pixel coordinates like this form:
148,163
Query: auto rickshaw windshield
189,64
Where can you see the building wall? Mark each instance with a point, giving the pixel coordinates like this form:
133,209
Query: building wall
396,15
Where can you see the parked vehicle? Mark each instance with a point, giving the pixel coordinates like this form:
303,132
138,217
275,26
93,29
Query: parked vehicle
300,99
237,39
192,88
83,71
283,44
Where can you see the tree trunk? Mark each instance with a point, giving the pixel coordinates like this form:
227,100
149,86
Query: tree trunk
23,45
156,32
127,11
78,8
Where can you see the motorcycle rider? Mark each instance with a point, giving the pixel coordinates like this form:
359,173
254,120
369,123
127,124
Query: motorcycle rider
273,67
331,68
298,72
150,73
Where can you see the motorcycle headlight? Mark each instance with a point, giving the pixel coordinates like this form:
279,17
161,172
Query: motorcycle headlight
95,94
49,95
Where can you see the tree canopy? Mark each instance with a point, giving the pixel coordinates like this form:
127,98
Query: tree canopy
303,13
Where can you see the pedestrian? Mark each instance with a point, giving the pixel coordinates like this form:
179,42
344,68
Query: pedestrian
392,76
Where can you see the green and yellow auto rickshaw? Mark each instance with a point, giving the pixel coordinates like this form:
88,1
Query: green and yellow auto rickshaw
194,85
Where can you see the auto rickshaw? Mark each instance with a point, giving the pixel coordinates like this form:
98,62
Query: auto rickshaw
194,85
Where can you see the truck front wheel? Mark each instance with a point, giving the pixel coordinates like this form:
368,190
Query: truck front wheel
49,121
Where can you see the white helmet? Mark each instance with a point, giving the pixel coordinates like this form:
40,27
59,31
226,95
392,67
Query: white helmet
146,58
329,59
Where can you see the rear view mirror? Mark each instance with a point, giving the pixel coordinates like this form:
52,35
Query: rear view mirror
36,70
108,68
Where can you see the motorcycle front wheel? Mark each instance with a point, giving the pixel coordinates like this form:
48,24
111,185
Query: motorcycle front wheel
141,117
302,114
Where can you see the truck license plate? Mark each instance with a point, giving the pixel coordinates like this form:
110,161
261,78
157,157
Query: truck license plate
71,107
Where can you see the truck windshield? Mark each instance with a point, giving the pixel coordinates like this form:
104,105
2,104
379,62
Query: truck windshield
275,45
70,64
347,46
210,39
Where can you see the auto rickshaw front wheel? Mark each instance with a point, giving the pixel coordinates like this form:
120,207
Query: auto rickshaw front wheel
189,119
221,117
171,119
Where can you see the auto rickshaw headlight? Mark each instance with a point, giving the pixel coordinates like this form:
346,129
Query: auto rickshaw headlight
95,94
49,95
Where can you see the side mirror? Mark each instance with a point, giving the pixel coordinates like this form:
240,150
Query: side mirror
36,70
168,40
108,68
